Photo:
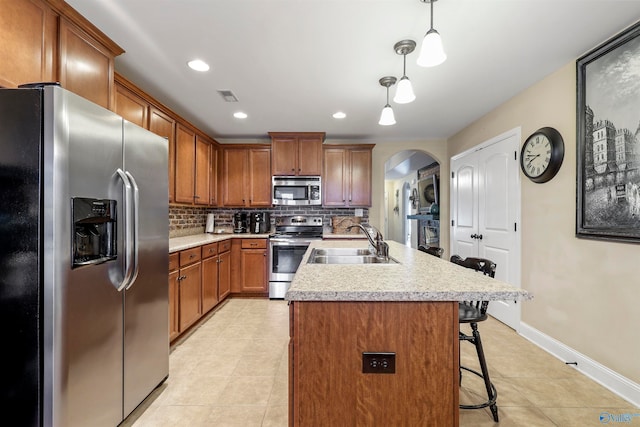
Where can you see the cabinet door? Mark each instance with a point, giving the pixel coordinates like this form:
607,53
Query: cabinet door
234,166
224,275
284,156
213,185
335,176
80,53
209,283
260,177
164,125
28,36
189,295
185,164
253,268
203,171
131,107
310,155
359,177
174,327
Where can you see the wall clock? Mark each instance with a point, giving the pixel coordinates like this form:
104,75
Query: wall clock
542,155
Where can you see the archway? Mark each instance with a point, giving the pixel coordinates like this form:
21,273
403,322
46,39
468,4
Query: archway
408,173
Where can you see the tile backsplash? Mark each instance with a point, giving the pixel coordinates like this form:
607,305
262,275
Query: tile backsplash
187,220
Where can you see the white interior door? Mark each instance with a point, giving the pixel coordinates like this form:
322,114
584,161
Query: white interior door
485,212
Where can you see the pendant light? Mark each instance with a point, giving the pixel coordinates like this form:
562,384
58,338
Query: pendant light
404,91
432,52
387,118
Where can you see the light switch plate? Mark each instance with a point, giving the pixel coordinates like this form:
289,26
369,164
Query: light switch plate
359,212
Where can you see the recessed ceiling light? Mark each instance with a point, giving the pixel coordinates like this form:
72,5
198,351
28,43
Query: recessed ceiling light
198,65
240,115
339,115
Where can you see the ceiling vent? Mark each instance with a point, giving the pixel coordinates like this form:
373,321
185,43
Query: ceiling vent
228,96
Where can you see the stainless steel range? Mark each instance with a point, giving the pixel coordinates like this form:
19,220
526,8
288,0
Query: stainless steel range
287,245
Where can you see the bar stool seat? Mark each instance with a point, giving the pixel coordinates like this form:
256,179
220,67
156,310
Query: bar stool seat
431,250
472,312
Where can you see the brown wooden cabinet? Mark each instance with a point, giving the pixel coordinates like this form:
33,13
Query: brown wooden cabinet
296,153
327,385
131,106
209,276
224,269
347,175
28,34
246,176
253,266
46,40
193,167
164,125
189,287
174,273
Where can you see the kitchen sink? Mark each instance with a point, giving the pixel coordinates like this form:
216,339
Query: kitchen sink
346,256
341,252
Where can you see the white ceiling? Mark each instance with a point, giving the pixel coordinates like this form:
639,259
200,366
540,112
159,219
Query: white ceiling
293,63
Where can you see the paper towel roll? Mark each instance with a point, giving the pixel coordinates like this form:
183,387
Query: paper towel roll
209,228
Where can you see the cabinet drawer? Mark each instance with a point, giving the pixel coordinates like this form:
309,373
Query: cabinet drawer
189,256
254,243
224,246
174,261
209,250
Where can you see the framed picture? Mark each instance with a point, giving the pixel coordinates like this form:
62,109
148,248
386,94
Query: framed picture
608,145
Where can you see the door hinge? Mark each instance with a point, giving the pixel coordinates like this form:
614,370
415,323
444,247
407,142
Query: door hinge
453,223
515,226
453,174
515,155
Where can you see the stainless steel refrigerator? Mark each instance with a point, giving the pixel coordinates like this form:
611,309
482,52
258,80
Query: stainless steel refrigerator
83,261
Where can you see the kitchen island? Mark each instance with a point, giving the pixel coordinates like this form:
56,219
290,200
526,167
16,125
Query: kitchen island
405,313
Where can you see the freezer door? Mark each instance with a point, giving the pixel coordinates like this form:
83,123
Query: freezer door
20,217
83,314
146,336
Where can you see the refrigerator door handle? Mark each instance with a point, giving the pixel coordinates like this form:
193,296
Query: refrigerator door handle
128,247
136,227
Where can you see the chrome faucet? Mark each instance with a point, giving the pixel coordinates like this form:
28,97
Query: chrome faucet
381,247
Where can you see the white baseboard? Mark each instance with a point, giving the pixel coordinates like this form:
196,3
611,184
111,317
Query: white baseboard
615,382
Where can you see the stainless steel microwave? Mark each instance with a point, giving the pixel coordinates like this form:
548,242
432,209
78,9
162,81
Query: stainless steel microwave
296,190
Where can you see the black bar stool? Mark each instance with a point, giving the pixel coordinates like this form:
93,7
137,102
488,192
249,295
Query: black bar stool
472,312
431,250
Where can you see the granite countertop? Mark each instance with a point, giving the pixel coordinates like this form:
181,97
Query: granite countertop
417,277
187,242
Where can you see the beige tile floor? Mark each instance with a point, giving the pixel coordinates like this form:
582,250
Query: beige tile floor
232,371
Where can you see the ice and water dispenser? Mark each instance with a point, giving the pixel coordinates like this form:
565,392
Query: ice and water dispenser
94,228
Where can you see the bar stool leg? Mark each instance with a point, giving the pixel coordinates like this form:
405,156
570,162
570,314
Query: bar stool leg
485,372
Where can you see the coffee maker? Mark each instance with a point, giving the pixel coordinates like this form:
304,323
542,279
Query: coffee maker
240,222
259,222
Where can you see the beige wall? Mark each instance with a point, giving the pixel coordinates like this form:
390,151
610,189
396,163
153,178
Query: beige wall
586,292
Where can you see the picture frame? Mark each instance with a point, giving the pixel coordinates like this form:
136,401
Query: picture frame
608,140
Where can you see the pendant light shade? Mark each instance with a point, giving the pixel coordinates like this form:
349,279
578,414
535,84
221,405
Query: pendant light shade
432,52
387,117
404,92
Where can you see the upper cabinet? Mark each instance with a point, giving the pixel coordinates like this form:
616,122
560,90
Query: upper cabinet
164,125
47,40
131,106
347,175
297,153
246,176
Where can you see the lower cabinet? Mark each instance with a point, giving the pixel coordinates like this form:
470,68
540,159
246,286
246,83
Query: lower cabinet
174,265
224,269
199,278
253,266
189,288
210,269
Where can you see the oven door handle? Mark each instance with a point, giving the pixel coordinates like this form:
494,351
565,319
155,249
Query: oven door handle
289,242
